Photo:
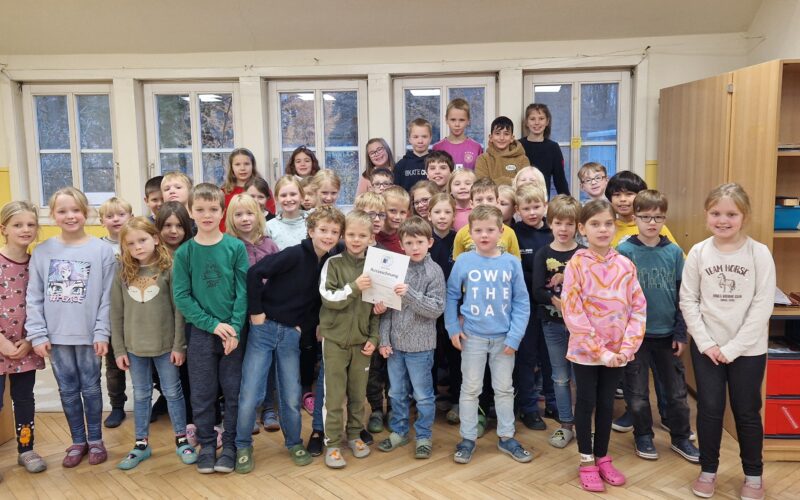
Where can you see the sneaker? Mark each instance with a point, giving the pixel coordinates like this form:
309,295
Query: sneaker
191,434
551,413
308,402
226,461
270,421
334,458
115,418
97,453
645,448
159,408
623,423
514,449
31,461
750,492
533,421
393,442
704,488
244,460
206,460
314,446
389,416
140,452
423,449
185,451
359,448
366,437
256,429
452,415
464,451
75,454
375,422
561,438
692,435
299,455
687,450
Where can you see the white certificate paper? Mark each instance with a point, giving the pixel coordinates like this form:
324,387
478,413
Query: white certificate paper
386,269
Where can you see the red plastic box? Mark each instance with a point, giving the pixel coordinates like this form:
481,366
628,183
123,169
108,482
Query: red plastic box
782,417
783,377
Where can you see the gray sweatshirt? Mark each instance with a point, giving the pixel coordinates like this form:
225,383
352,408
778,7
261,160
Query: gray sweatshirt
414,328
69,293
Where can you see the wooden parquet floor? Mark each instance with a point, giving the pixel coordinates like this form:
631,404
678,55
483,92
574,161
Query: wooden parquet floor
551,475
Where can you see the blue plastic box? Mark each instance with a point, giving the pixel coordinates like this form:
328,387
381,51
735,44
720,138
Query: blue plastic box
787,218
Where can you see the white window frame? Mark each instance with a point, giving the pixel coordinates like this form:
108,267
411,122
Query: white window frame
193,89
444,83
624,113
30,92
319,87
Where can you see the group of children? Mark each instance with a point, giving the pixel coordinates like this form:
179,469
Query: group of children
232,296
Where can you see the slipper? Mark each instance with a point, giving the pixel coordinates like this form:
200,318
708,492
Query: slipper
609,473
590,478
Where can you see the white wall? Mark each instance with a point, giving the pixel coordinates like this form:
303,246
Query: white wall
776,31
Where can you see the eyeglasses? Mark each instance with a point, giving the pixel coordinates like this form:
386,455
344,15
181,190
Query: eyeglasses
382,184
652,218
593,180
421,201
377,152
379,215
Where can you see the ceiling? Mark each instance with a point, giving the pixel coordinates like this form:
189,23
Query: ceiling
36,27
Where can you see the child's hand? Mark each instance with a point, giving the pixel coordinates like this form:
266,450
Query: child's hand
379,308
224,331
318,335
101,348
722,358
23,348
556,303
713,353
677,348
457,339
368,348
364,282
231,343
257,319
123,363
400,289
43,350
386,351
177,358
7,349
509,351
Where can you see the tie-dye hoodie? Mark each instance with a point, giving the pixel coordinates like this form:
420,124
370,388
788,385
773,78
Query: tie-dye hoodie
604,307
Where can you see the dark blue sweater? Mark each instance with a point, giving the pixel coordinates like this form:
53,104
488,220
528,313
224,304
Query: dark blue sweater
530,240
442,252
409,170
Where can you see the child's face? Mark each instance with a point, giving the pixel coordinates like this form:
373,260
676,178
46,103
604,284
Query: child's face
441,216
725,220
536,122
380,183
457,122
500,138
563,230
420,139
289,199
141,245
207,214
622,201
154,201
21,229
303,164
175,190
438,172
172,232
114,220
650,222
324,236
485,197
461,186
599,230
421,199
357,237
506,205
416,247
242,169
309,198
485,234
260,197
594,184
396,213
377,154
532,213
527,177
327,194
378,217
68,215
244,220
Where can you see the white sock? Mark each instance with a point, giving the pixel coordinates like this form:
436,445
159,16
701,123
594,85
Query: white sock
754,481
708,476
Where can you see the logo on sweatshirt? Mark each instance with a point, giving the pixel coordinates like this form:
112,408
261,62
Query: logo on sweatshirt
212,275
67,280
511,168
726,284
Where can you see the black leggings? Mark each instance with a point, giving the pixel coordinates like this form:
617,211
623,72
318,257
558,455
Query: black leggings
22,398
595,387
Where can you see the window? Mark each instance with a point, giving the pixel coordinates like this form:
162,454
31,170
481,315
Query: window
329,118
191,129
428,98
591,118
69,129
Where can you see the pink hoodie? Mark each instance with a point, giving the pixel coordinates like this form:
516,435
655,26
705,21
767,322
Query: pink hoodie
604,307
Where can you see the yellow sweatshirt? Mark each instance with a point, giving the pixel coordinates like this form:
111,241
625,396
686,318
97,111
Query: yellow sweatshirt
463,242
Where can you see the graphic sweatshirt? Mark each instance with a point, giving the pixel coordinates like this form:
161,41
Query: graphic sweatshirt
409,170
287,232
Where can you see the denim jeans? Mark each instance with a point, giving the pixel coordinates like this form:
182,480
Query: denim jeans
271,340
142,378
474,352
557,338
410,372
268,404
77,371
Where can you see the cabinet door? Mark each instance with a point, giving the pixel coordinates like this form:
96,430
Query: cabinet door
693,145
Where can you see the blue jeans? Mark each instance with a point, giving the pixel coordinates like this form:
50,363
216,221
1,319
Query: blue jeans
317,423
557,338
411,371
77,371
170,377
474,352
271,340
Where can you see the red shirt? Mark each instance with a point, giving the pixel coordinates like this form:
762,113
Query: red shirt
239,190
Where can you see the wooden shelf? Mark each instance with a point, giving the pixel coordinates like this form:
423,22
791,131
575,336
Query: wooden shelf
789,153
785,312
786,234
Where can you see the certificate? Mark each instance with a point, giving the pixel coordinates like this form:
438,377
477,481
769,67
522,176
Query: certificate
386,269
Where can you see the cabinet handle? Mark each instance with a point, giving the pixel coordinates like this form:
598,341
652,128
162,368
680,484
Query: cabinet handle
789,418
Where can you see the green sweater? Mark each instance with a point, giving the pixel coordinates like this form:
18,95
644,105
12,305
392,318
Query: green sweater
210,283
345,319
144,320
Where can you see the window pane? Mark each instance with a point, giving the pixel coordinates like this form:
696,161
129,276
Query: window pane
345,163
56,170
599,111
340,114
558,98
94,121
98,176
216,120
423,103
176,162
297,119
476,97
174,122
606,155
52,121
214,165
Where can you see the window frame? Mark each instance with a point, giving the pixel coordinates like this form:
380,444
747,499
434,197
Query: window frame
72,91
151,90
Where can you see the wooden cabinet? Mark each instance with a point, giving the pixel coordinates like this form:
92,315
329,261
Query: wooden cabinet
728,128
